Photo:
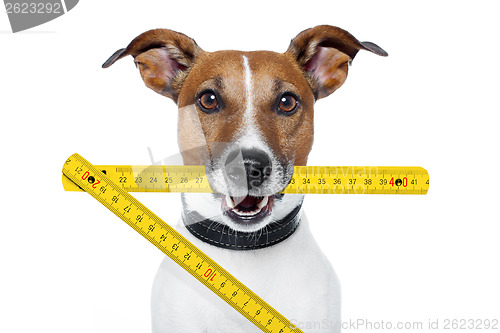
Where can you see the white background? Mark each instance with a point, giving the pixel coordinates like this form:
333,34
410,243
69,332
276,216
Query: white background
432,103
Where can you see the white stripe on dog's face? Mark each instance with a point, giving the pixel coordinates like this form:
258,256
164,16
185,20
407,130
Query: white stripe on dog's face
249,117
249,135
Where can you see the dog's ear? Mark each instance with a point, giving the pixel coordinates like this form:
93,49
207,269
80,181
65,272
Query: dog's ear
324,53
164,58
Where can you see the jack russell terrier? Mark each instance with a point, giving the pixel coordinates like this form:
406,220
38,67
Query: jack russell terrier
248,117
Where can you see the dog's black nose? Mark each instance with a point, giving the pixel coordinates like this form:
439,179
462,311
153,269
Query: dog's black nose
250,168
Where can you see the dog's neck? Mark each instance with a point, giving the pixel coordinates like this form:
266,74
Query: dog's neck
220,235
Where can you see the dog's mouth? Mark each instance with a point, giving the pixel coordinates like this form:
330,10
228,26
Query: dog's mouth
248,209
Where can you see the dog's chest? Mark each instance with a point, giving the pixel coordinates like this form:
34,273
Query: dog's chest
294,277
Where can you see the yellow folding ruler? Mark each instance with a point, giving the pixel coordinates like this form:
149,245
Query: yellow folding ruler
305,179
111,189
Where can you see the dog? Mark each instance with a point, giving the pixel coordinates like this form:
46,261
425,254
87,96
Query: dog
248,117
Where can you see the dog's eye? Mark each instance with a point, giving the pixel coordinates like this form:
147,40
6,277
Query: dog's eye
288,103
207,101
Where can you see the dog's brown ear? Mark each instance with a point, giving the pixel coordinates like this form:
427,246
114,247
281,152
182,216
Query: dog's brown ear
324,54
164,58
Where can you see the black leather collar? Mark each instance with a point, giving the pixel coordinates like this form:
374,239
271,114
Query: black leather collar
219,235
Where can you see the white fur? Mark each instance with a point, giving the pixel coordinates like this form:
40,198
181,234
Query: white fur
249,117
293,276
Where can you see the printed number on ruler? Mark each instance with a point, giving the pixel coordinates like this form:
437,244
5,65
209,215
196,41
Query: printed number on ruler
174,245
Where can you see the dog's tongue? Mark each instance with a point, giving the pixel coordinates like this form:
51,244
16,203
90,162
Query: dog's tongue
247,202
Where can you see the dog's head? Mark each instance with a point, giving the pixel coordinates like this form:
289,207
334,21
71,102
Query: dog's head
247,116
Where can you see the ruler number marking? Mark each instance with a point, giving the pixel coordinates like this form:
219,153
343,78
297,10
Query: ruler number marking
187,256
91,179
163,237
223,284
210,274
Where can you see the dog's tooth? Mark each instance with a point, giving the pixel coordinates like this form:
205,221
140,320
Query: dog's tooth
246,213
263,202
229,202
